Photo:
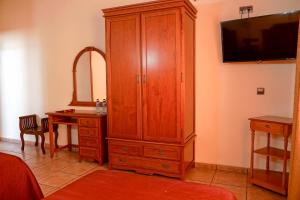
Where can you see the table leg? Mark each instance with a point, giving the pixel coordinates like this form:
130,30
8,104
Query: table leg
268,157
252,153
284,161
51,142
69,138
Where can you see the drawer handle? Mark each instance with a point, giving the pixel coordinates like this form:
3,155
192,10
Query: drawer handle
161,152
125,149
123,160
165,166
267,126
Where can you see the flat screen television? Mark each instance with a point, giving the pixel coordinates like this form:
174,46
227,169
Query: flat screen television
264,38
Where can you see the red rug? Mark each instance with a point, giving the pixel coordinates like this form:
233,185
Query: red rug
115,185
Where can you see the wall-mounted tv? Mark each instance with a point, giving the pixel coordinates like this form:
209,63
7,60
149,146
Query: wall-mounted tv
264,38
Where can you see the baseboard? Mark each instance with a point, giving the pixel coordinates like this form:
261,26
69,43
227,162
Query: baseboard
197,164
227,168
16,141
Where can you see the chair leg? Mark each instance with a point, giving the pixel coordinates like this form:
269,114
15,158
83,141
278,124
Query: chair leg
55,139
22,140
43,143
36,140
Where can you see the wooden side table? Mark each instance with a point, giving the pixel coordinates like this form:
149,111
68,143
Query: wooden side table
275,181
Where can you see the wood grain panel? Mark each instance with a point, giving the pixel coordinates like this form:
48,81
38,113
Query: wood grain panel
294,182
124,90
161,75
188,88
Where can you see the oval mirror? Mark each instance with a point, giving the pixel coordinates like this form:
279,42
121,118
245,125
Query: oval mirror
89,77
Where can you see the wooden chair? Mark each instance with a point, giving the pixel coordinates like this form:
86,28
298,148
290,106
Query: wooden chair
28,125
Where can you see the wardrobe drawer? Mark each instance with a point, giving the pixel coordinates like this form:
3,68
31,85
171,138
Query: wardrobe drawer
89,152
125,148
139,163
123,160
89,142
267,127
162,152
88,122
164,166
88,132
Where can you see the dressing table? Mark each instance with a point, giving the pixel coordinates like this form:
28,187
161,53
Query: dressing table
89,84
91,132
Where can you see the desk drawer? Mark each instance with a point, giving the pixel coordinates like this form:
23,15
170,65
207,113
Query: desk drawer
88,122
89,142
267,127
88,132
162,152
89,152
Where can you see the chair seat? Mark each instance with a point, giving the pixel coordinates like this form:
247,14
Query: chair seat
33,131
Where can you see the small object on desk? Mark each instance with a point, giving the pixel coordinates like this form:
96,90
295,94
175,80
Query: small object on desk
104,106
98,106
66,111
272,125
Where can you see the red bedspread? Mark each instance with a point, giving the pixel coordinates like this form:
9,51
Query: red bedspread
16,180
112,185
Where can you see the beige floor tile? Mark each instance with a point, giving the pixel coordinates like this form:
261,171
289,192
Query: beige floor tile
23,156
239,192
57,179
79,168
68,156
258,193
230,178
202,175
47,190
49,168
38,161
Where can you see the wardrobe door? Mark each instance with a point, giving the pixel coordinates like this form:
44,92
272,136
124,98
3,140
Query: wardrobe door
123,73
161,75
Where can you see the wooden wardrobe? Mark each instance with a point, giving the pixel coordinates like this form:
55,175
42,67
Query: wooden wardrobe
294,181
151,87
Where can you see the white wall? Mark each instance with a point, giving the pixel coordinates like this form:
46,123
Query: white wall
226,93
40,39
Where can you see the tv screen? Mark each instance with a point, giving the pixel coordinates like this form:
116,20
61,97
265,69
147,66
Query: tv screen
264,38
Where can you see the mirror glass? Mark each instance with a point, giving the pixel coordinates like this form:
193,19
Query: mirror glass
89,74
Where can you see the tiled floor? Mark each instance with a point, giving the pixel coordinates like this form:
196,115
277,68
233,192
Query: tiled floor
53,174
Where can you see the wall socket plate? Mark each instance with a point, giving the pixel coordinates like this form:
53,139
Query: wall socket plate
260,91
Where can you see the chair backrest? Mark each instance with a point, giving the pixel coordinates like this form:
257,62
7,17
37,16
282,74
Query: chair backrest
26,122
44,124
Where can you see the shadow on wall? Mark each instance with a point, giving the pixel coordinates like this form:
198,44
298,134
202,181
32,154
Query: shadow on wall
21,86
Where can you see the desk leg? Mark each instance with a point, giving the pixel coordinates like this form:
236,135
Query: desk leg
286,139
50,121
252,153
268,157
69,138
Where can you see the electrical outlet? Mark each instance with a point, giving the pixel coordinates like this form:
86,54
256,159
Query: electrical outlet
260,91
246,9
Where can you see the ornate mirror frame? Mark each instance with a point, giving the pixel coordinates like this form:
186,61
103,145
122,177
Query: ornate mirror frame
75,101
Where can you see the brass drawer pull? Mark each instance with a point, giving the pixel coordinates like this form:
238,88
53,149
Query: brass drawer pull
161,152
165,166
125,149
123,160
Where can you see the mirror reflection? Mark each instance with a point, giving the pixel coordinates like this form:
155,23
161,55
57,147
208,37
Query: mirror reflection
89,74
